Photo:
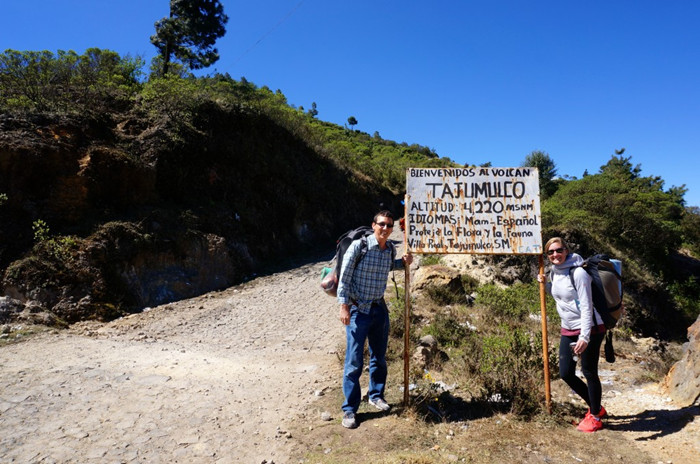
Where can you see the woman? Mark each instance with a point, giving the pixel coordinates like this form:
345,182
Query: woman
582,329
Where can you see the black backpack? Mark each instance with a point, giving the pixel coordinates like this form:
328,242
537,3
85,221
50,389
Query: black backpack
330,275
606,289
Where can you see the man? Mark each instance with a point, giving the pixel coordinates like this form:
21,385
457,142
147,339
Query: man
364,312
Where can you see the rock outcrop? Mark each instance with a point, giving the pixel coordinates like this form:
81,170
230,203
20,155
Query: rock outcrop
682,383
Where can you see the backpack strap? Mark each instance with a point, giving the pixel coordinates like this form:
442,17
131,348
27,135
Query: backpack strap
363,250
393,253
573,284
571,276
393,268
364,247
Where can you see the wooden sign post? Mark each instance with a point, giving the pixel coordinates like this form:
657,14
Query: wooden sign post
406,328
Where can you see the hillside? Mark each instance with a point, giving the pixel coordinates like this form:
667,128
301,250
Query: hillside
118,194
126,212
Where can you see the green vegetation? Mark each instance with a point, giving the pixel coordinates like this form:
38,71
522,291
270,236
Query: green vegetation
428,260
516,302
96,81
621,210
174,98
686,296
690,230
547,172
447,330
100,81
491,348
41,231
444,295
510,367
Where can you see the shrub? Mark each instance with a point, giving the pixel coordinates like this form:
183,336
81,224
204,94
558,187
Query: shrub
690,229
447,330
514,302
444,295
469,284
511,368
62,248
429,260
174,97
41,231
397,310
502,362
686,295
66,82
396,315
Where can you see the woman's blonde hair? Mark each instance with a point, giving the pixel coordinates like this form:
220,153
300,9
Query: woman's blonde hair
555,240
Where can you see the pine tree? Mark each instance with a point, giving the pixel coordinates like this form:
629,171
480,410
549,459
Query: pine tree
547,171
189,33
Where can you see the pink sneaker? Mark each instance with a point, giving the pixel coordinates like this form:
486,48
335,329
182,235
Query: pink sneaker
590,424
601,414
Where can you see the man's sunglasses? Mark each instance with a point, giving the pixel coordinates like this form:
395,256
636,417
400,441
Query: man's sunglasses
556,250
385,224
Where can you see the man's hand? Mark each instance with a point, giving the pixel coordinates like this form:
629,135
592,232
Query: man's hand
345,314
408,258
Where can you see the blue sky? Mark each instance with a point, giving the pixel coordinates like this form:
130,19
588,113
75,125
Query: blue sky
477,81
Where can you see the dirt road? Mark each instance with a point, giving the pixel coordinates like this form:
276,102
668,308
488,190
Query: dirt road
218,378
212,379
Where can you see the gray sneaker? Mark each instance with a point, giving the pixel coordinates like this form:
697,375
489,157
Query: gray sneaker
380,404
349,421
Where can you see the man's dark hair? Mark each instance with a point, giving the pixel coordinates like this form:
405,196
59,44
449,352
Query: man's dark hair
385,213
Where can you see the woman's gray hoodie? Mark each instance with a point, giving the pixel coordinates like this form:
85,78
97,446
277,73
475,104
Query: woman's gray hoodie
574,316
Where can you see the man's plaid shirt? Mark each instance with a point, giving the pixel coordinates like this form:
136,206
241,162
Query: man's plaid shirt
365,283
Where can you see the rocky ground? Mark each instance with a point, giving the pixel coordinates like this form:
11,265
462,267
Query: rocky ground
230,376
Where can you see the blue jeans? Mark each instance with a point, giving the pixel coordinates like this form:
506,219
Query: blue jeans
373,327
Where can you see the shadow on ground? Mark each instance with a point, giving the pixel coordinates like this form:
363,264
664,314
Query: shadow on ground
658,423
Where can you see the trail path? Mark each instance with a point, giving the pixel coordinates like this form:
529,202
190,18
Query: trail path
218,378
211,379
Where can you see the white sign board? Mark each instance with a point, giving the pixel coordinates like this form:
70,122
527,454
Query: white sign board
478,210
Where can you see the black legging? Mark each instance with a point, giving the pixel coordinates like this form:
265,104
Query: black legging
592,392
